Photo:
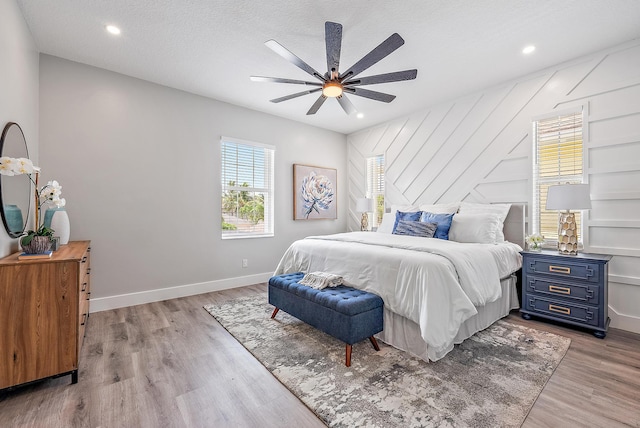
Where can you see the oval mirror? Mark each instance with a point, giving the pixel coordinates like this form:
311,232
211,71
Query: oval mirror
15,190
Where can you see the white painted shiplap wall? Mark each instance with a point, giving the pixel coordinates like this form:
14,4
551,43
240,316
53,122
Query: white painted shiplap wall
478,148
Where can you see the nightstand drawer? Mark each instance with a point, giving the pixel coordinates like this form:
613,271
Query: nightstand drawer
564,268
584,292
558,309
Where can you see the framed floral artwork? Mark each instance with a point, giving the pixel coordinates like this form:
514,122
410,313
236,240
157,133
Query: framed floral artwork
314,193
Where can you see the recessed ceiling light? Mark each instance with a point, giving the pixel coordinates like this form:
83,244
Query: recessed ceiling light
360,115
528,49
113,29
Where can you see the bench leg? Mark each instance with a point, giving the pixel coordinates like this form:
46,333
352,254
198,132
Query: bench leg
348,359
275,311
374,343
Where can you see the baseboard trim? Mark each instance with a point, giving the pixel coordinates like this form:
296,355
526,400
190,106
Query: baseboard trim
623,321
139,298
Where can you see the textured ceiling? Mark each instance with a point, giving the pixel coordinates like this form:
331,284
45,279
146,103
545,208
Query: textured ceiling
211,47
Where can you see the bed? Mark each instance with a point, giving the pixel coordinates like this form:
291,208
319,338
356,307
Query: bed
436,292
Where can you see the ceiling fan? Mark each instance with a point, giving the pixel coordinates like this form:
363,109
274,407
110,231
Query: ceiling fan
334,84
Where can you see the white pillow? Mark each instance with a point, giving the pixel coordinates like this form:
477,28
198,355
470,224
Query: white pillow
441,208
501,210
480,228
386,225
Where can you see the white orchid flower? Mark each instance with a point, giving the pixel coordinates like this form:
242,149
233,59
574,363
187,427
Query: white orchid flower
60,202
54,185
7,165
24,166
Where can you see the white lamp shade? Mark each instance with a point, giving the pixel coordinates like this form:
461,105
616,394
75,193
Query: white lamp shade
364,205
568,197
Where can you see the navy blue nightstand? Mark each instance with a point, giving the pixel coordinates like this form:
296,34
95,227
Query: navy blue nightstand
568,289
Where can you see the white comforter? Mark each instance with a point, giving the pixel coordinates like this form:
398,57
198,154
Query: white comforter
435,283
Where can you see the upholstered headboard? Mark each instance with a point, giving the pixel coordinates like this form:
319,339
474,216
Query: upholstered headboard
514,225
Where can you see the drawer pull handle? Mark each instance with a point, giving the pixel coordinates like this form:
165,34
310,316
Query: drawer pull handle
84,319
84,286
559,290
560,309
560,269
84,259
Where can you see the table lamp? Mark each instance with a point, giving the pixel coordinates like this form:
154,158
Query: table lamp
567,197
364,205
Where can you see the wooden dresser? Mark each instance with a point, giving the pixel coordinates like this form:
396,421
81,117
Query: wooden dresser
568,289
44,307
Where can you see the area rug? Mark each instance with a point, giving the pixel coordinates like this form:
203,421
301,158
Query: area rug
490,380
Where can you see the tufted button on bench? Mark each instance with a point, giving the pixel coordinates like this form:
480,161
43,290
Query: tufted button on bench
346,313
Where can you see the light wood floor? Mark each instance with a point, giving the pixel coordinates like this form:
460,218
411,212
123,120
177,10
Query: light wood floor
170,364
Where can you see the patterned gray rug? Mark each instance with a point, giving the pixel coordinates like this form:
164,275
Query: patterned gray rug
491,380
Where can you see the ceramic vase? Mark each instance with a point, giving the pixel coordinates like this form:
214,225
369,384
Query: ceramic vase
58,220
13,216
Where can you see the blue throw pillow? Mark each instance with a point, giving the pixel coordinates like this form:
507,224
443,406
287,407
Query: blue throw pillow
443,221
415,216
415,228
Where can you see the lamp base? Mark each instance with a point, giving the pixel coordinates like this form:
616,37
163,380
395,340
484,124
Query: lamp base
364,222
567,234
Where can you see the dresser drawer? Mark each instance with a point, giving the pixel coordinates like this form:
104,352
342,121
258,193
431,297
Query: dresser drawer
85,289
85,265
83,318
573,269
559,309
578,292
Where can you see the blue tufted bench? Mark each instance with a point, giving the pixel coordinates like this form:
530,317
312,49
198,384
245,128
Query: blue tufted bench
346,313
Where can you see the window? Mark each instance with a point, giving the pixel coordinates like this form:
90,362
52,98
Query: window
247,189
557,160
375,187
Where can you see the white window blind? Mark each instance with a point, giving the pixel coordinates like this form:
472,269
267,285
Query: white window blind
375,186
558,159
247,189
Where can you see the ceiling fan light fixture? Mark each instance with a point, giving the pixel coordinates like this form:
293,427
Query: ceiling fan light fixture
334,84
332,89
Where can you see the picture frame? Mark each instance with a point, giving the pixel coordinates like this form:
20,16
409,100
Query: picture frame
314,193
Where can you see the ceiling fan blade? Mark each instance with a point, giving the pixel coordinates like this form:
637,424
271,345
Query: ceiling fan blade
384,78
280,80
392,43
378,96
346,105
292,58
296,95
316,106
333,39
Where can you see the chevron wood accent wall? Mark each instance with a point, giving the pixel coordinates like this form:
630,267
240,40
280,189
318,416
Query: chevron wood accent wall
478,148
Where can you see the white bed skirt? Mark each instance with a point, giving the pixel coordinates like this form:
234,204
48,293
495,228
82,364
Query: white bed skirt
404,334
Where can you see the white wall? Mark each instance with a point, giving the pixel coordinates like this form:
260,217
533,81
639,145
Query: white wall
139,167
18,87
478,148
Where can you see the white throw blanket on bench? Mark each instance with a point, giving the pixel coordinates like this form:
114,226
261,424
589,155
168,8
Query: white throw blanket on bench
320,280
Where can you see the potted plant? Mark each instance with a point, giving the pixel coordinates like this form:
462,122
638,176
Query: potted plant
36,241
535,242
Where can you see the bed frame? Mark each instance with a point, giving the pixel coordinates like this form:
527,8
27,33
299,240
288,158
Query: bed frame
514,225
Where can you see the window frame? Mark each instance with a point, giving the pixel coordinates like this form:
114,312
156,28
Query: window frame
581,177
375,191
268,190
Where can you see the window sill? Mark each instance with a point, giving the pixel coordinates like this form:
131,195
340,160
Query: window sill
264,235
